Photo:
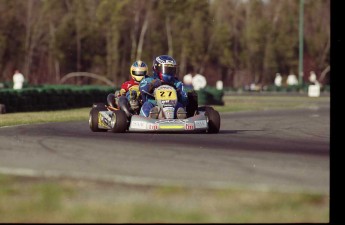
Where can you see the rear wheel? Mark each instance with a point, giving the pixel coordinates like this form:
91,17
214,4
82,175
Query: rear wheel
119,122
93,119
213,120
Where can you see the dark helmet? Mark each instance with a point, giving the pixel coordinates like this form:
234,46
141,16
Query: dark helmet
165,67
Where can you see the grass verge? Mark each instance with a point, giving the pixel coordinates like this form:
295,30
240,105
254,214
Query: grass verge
36,200
258,103
44,116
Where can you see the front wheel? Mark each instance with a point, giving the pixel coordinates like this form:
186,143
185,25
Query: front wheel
213,120
93,120
119,122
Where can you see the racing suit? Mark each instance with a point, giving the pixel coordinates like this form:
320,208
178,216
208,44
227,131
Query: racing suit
131,90
147,85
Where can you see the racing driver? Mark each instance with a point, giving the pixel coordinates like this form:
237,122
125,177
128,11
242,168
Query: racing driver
130,88
164,72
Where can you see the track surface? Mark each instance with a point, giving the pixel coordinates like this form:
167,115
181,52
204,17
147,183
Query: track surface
280,150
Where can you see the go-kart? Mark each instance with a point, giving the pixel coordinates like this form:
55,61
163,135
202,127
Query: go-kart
121,119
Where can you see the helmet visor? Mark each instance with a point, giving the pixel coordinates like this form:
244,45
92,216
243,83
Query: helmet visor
167,69
138,73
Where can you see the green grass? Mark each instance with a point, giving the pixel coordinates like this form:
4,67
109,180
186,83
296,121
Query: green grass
258,103
69,201
44,116
45,200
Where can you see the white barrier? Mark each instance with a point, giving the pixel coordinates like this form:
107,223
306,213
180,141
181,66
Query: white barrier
314,90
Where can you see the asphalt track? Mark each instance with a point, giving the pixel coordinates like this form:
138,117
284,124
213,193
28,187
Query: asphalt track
285,150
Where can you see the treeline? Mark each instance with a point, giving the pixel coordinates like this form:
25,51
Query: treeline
237,41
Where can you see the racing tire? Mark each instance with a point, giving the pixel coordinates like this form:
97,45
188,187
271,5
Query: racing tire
213,120
93,119
119,122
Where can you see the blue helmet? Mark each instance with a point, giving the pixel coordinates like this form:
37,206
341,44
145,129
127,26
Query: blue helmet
165,67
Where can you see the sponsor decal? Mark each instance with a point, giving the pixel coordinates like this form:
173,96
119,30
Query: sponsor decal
189,126
161,61
168,102
104,120
152,126
165,87
200,124
138,124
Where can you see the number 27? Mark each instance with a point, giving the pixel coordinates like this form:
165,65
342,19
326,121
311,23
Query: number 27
163,93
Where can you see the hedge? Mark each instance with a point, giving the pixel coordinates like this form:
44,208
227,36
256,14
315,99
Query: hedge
210,96
52,97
